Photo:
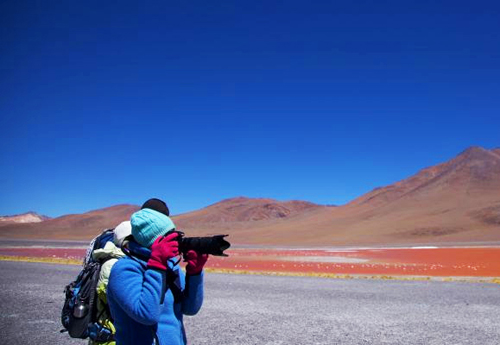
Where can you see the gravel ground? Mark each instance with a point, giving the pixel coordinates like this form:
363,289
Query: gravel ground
248,309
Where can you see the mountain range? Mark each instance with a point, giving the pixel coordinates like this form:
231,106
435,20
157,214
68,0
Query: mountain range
457,201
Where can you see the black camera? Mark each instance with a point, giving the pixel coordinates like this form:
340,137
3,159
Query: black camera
213,245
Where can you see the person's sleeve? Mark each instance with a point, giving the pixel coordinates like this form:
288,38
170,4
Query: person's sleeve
138,293
193,294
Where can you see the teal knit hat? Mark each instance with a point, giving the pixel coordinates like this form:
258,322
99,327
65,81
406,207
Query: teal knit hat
148,224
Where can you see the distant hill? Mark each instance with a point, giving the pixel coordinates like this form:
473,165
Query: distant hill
28,217
457,201
73,226
241,210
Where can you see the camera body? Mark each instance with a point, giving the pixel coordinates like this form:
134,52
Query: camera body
213,245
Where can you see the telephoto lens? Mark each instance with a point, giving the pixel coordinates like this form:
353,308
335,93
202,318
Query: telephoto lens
213,245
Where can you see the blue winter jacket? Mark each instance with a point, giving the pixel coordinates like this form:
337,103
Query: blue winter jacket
142,303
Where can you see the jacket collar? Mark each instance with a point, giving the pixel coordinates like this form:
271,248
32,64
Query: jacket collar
139,251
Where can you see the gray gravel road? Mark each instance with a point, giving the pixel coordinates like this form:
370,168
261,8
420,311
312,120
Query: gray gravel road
241,309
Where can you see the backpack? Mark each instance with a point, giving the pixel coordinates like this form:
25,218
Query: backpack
79,315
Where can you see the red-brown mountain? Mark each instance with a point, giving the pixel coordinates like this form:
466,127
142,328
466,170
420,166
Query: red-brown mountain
456,201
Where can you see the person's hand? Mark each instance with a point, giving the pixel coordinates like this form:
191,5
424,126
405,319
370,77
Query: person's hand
163,249
195,262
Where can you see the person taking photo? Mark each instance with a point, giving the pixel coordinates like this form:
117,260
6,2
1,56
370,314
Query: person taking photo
148,294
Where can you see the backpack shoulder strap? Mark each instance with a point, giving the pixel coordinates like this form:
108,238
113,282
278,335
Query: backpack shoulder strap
88,253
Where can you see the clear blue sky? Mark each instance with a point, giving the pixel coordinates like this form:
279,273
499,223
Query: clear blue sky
108,102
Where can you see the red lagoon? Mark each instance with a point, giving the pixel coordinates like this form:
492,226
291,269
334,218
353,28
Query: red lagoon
423,261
